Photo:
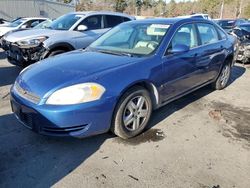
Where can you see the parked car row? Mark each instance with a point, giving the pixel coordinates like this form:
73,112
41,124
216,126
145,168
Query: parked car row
69,32
229,24
122,71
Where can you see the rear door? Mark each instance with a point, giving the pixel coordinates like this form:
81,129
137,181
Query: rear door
211,52
181,71
111,21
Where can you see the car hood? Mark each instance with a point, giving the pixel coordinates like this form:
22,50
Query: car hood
64,70
4,30
33,33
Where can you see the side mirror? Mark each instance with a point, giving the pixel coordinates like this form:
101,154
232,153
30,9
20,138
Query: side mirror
82,28
179,48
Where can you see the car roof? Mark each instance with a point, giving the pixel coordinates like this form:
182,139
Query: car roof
226,20
33,18
245,24
84,13
171,21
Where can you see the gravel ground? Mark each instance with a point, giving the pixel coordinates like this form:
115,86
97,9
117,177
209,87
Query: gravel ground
199,141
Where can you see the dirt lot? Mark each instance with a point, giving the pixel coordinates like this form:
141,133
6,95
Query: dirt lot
199,141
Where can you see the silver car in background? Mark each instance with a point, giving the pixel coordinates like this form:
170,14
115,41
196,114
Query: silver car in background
69,32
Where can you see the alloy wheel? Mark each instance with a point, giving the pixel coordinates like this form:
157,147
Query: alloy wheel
135,113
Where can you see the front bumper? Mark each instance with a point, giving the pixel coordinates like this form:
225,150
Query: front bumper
22,57
244,53
79,121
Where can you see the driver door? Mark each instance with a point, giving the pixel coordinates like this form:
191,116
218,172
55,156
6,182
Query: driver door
181,72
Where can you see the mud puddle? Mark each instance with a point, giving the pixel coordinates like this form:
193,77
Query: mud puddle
236,121
151,135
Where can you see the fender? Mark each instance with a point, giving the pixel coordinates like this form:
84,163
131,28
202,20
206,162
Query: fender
63,45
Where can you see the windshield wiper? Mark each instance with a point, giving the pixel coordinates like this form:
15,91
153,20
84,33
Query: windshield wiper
115,53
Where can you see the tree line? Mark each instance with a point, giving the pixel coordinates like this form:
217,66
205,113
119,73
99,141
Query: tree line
159,8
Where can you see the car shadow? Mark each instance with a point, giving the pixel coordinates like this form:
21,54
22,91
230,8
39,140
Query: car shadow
2,55
31,160
8,75
237,72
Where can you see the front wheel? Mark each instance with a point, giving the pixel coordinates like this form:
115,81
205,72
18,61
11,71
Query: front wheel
223,77
56,52
132,113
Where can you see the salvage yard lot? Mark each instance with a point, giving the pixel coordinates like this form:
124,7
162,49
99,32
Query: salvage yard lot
201,140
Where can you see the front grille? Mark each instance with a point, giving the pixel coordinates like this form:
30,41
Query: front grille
63,130
26,118
26,94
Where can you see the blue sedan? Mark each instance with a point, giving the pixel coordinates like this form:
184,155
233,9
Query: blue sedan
119,79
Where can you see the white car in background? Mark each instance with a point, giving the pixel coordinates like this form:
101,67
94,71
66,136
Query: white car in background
3,22
21,23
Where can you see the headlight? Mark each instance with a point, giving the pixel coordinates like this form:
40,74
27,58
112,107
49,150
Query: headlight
76,94
31,43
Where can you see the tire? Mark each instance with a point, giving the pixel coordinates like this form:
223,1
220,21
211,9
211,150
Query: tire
223,78
56,52
132,113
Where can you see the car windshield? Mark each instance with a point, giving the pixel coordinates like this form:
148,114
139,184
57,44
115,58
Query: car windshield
17,23
131,39
65,22
43,25
246,28
226,24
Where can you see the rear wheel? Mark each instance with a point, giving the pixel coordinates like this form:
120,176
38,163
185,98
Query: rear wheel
132,113
223,78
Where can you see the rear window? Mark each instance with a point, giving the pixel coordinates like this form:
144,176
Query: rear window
208,33
112,21
226,24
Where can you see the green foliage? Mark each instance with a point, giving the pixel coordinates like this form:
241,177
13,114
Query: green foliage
232,8
120,5
247,11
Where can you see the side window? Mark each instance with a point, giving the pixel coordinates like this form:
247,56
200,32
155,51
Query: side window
93,22
222,34
112,21
125,19
208,33
186,35
34,23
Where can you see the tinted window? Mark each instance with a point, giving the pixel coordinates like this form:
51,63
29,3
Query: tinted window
33,23
208,33
222,34
112,21
92,22
186,35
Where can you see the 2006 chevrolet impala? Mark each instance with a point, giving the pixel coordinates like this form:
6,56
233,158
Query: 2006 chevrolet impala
119,79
